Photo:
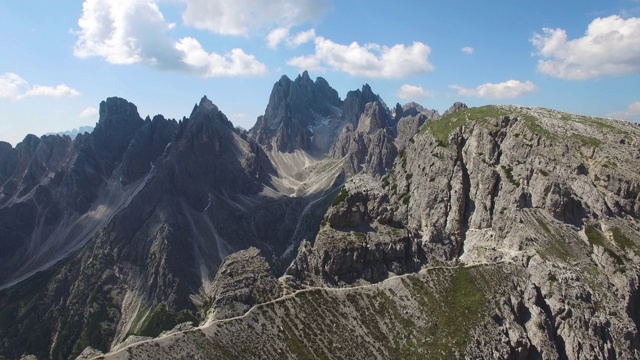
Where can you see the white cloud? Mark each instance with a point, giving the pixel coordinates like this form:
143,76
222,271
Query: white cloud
234,63
13,87
302,37
369,60
276,36
467,50
505,90
52,91
414,92
135,31
240,17
610,46
632,112
89,112
279,35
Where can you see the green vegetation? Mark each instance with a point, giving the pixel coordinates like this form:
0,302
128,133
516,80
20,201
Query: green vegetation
556,249
408,177
624,242
341,197
544,226
600,123
385,181
552,248
406,198
403,158
534,125
588,140
508,170
544,173
595,237
160,319
453,315
360,235
21,302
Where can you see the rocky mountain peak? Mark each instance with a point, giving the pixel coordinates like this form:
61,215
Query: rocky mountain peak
374,118
457,106
117,111
355,102
206,109
294,108
119,120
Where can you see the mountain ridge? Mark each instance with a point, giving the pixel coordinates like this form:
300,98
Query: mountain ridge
196,221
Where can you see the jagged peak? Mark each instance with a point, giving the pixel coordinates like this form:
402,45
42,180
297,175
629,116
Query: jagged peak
284,79
205,106
304,77
117,107
373,118
457,106
366,90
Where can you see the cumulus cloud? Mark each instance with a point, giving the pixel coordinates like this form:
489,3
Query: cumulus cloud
505,90
135,31
276,36
235,63
53,91
240,17
369,60
280,35
631,113
414,92
89,112
302,37
467,50
13,87
610,46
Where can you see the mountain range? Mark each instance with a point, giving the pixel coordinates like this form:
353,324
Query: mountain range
331,229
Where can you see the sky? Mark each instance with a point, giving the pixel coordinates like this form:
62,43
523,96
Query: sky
59,60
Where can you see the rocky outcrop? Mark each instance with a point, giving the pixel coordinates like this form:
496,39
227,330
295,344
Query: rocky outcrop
243,280
412,109
355,103
370,147
118,123
407,127
360,240
457,106
148,144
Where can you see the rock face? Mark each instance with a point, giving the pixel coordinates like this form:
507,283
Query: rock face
295,109
243,280
359,241
370,147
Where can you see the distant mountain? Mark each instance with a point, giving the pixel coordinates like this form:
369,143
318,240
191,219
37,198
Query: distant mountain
332,229
75,132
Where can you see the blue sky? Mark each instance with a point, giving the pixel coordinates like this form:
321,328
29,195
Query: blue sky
60,59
